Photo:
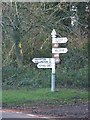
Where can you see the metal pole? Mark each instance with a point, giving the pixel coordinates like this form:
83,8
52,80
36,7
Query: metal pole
53,76
53,82
53,65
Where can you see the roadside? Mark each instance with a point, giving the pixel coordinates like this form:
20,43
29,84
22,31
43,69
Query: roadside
64,103
77,110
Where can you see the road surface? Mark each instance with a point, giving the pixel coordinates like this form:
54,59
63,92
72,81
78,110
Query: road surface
47,112
6,113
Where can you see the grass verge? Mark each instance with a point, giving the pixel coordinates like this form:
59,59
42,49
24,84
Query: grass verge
62,96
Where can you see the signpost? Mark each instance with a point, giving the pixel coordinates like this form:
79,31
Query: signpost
50,62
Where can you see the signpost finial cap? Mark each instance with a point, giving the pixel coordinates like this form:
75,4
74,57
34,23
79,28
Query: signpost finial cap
53,33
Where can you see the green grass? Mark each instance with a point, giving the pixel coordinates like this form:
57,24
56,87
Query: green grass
23,96
0,96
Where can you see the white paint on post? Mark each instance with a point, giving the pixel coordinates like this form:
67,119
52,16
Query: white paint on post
55,45
53,76
56,55
57,60
53,63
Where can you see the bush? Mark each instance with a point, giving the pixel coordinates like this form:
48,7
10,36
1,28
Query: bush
71,72
72,78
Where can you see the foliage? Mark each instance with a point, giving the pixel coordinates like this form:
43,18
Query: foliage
70,73
72,78
31,24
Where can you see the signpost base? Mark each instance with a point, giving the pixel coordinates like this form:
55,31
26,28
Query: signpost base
52,82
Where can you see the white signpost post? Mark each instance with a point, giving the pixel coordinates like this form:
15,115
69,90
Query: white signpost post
50,62
53,34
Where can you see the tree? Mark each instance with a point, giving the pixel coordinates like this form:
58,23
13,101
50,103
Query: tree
29,25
